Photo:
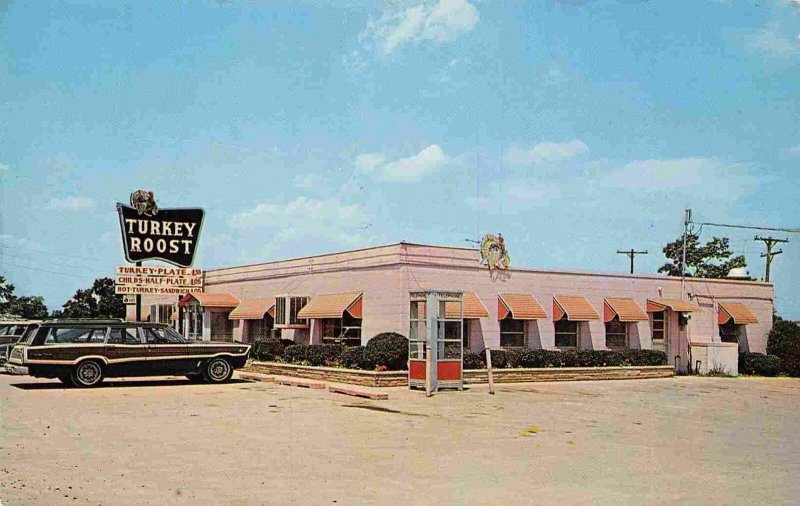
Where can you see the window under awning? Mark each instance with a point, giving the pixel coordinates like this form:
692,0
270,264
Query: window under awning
573,308
333,306
472,305
253,309
520,306
735,311
210,300
626,310
656,305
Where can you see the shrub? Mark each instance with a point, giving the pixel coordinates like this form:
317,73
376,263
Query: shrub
784,342
324,354
644,357
499,359
353,358
287,342
267,349
759,364
295,354
472,361
387,350
514,356
541,358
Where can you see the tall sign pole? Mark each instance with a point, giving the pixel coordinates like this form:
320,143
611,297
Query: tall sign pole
150,233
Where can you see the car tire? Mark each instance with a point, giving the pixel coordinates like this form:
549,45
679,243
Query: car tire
66,380
217,370
87,374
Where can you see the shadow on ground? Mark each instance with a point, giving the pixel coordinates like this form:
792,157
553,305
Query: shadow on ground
57,385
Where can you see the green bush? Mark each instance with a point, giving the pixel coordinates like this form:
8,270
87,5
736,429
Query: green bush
759,364
784,342
514,356
295,354
388,351
267,349
472,361
353,358
499,359
541,358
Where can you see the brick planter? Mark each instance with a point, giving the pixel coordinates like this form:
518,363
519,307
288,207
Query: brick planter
471,376
520,375
333,374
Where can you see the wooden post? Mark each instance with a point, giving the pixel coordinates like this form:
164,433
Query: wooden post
489,370
138,301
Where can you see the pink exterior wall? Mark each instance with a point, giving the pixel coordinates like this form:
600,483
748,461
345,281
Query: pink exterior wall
387,274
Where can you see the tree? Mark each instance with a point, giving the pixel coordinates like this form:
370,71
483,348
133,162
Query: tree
709,260
99,301
30,307
784,341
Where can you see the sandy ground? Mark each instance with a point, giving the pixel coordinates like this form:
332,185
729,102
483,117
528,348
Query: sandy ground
693,440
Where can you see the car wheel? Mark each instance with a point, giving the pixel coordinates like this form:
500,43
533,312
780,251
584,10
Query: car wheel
87,374
217,370
65,380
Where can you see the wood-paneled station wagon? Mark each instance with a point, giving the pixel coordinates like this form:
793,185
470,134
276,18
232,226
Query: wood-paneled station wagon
83,352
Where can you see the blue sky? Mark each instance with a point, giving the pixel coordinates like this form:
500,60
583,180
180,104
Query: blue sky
575,128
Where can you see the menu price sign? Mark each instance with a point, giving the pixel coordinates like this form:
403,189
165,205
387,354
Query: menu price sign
141,280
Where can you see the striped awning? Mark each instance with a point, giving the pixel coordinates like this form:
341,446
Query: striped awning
332,306
520,306
656,305
626,310
573,308
473,307
212,300
737,312
253,309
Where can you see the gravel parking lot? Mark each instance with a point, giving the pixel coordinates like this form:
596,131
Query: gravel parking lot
166,441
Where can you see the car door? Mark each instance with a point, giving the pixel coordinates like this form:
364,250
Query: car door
165,353
126,352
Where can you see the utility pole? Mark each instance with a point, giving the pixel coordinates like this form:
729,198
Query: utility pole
687,219
632,253
769,242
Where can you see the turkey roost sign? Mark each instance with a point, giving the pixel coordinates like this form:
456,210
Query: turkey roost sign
150,233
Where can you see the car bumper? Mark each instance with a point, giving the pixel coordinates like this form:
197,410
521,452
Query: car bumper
15,369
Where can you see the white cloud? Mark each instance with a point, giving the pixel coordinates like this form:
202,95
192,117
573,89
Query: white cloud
299,213
368,162
771,40
532,192
545,152
71,204
439,23
307,181
4,167
708,178
795,150
276,229
413,168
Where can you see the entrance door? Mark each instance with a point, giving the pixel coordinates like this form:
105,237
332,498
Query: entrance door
221,327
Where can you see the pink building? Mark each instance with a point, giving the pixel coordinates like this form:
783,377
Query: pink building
350,297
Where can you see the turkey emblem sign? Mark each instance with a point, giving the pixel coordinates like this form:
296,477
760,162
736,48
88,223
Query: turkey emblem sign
150,233
493,252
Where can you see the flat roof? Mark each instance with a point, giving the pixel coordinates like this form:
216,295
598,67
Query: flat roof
512,268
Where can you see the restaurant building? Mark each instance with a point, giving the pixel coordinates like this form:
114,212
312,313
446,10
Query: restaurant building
351,296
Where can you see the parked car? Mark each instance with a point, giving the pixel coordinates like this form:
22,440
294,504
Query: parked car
10,332
83,352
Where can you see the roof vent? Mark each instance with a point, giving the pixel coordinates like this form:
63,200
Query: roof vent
739,273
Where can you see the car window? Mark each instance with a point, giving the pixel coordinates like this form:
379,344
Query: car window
61,335
161,336
123,336
4,330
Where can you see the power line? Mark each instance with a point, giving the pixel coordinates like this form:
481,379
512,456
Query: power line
748,227
3,246
49,262
632,253
45,270
769,242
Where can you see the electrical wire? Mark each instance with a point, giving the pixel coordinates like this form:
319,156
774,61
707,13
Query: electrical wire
43,270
